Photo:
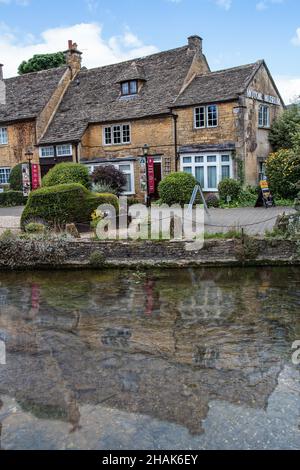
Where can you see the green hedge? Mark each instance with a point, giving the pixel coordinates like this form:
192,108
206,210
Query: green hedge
63,204
15,178
12,199
67,173
229,188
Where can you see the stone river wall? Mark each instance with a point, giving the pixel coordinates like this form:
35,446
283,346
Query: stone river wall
60,254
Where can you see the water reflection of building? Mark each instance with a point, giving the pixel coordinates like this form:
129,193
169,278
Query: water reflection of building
99,346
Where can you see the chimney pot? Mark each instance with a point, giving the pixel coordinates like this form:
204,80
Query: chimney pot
70,44
1,71
195,43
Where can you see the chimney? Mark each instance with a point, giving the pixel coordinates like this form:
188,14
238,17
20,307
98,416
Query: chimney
195,43
2,87
73,57
1,71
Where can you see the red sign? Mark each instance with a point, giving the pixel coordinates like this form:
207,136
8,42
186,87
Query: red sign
151,176
35,176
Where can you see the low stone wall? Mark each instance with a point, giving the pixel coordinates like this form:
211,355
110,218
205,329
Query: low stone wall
33,254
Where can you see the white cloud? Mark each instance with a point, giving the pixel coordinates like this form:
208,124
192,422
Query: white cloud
22,3
264,4
225,4
96,50
289,87
296,39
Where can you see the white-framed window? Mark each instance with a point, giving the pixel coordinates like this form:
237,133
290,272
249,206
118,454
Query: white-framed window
264,116
117,135
3,136
125,167
206,116
208,169
64,150
47,152
4,175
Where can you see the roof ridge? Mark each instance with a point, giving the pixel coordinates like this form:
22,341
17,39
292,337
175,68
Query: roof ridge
136,59
237,67
30,74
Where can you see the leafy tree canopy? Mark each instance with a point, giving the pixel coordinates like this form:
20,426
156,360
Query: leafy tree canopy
42,62
285,131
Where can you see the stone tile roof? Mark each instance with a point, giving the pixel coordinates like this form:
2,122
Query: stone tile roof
222,85
95,96
27,95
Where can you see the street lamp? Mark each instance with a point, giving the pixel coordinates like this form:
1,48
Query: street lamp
29,158
146,150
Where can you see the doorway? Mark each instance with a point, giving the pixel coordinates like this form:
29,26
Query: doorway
157,177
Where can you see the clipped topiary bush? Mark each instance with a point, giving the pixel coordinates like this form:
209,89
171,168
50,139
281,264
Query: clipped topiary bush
15,178
177,188
64,204
67,173
12,199
283,172
229,188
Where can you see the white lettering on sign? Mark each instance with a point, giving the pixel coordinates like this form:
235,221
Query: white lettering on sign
256,95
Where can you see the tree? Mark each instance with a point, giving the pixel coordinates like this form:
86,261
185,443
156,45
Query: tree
15,178
283,171
285,128
111,176
42,62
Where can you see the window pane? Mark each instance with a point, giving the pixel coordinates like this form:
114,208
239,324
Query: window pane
4,175
127,188
212,177
212,116
117,134
266,116
188,169
133,87
187,159
3,136
47,151
125,168
211,159
126,134
225,158
261,116
200,117
108,135
199,174
225,171
63,150
199,159
125,88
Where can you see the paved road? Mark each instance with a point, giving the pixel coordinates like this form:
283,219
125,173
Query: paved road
254,221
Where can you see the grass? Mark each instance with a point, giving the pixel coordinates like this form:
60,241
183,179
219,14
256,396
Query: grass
223,236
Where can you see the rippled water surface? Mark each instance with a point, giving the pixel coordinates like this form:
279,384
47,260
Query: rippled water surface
176,359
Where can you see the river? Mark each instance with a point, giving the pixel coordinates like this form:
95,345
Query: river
170,359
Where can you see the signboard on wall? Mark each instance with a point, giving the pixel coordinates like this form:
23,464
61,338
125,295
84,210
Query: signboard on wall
151,176
26,179
35,176
257,95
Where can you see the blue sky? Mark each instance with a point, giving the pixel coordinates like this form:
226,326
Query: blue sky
234,31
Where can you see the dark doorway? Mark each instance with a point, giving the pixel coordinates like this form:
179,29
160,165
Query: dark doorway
45,169
157,177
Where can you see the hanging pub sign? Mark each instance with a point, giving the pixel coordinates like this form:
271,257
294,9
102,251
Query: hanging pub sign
35,177
26,179
265,198
151,176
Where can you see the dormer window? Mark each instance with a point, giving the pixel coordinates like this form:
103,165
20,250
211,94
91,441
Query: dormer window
129,88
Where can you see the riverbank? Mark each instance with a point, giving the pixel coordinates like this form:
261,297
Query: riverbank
65,254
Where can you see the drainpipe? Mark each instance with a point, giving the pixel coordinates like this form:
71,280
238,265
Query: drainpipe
175,118
76,153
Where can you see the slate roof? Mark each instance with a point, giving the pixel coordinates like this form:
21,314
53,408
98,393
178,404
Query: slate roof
27,95
133,72
223,85
94,96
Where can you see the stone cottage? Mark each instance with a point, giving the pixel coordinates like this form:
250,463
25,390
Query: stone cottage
168,111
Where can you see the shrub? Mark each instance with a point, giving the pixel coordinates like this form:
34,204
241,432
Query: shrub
213,201
34,227
285,128
177,188
110,176
104,188
63,204
283,172
15,178
12,199
97,259
67,173
229,188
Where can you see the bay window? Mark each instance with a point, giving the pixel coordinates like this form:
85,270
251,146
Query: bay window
3,136
208,170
